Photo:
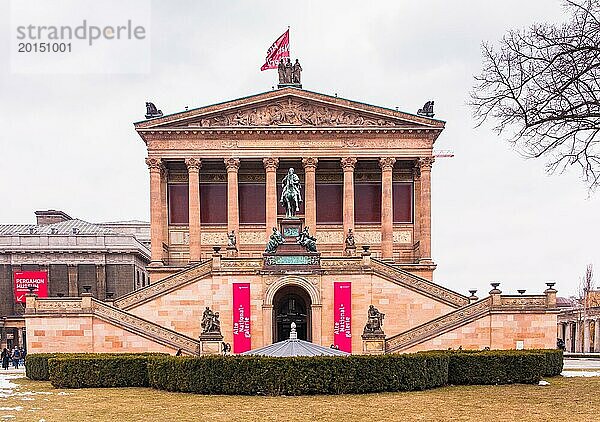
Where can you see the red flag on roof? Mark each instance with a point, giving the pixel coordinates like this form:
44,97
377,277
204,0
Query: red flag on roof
279,49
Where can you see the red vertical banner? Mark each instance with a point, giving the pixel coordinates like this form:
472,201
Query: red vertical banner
25,279
342,318
241,317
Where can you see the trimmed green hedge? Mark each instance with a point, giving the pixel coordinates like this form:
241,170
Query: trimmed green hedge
99,371
249,375
36,364
495,367
554,361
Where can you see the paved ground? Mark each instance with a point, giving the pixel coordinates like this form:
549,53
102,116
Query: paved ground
582,364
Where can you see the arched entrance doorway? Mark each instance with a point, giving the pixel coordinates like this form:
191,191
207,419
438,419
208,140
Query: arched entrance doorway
291,304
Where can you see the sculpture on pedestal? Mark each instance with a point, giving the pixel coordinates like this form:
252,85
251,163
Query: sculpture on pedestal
275,240
231,240
210,322
290,195
374,324
308,241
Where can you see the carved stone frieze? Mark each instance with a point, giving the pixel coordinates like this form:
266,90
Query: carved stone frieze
367,237
253,237
330,236
523,301
213,238
295,113
403,236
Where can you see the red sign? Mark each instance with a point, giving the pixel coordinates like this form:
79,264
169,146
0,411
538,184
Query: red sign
342,317
24,279
241,317
279,49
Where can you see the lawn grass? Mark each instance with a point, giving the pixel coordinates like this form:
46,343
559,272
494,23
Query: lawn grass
570,399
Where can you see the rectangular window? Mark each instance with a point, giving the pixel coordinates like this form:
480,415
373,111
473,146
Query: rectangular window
178,198
367,203
213,204
252,203
403,202
329,203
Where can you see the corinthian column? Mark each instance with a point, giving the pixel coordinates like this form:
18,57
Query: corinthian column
348,164
387,208
193,165
156,168
310,194
425,212
233,209
271,165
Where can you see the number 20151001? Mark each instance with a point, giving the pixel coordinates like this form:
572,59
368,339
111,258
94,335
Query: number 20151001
44,47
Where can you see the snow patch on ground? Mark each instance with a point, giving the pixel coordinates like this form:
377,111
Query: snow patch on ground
570,374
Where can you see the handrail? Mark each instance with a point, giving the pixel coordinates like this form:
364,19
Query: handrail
438,326
419,284
145,328
163,286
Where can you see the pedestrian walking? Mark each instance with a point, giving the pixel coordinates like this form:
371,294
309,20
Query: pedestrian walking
5,357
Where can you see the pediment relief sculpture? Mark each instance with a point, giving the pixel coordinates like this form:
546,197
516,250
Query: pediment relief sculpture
295,113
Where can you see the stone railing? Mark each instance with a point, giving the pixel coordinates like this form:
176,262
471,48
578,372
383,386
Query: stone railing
87,305
145,328
418,284
163,286
522,301
438,326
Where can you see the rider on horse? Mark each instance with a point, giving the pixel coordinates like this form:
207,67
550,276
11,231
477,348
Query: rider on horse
290,195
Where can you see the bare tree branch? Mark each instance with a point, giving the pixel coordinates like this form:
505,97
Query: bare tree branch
541,87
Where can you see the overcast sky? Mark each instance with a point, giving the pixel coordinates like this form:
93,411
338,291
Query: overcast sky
67,141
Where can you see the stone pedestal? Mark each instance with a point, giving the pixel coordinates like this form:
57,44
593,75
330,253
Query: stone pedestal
211,344
231,252
350,251
373,344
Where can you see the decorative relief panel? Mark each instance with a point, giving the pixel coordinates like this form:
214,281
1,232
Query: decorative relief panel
330,237
179,237
213,238
253,237
403,236
367,237
520,301
295,112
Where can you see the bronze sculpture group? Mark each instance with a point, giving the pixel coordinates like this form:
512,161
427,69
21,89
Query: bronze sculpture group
374,325
210,322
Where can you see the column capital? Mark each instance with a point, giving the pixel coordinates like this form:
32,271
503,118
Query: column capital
271,163
232,164
310,162
348,163
425,163
193,164
386,163
155,164
416,170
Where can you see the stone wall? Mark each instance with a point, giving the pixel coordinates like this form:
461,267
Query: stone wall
498,331
85,334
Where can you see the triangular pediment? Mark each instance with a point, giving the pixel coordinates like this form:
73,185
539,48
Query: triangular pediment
291,108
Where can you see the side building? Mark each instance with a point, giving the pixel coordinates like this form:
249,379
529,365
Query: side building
108,259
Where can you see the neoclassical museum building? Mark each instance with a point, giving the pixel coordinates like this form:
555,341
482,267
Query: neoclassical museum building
356,249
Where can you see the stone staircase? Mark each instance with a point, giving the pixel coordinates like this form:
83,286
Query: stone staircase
164,286
418,284
145,328
438,326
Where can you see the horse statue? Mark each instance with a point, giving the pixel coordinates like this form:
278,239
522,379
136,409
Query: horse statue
290,195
